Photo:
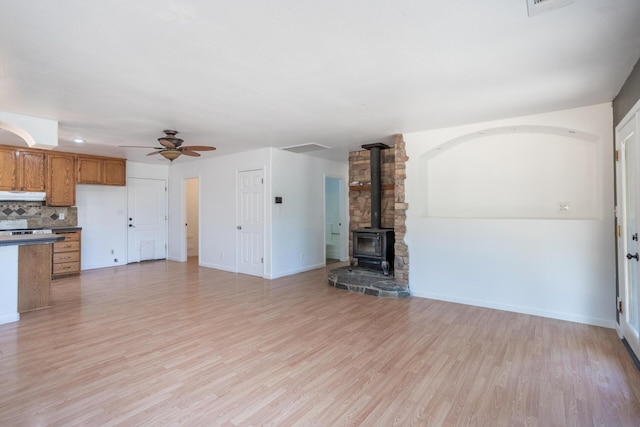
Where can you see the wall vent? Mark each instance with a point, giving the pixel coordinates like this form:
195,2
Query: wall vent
536,7
305,148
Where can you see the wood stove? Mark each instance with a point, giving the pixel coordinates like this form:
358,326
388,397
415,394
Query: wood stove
373,247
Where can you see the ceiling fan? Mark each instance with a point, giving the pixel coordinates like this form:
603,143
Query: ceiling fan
172,147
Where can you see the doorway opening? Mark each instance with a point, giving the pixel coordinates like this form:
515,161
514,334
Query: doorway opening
192,224
333,208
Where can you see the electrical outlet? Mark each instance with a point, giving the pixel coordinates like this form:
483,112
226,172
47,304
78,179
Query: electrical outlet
61,215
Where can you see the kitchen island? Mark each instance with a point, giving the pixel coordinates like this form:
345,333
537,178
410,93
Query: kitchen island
9,265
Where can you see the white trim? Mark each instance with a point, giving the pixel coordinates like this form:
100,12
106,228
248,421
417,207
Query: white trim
519,309
9,318
217,267
296,271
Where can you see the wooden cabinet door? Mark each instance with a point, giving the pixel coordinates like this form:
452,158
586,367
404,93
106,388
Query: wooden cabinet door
115,172
8,169
61,188
32,174
89,170
34,277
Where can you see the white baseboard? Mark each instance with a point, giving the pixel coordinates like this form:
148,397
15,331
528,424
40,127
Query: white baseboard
9,318
524,310
217,267
296,271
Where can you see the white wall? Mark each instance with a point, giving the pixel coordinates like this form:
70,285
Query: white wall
555,267
102,214
102,211
217,177
9,284
293,236
298,223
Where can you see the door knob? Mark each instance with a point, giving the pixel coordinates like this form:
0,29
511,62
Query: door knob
629,256
239,227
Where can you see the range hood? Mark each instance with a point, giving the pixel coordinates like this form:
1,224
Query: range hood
28,196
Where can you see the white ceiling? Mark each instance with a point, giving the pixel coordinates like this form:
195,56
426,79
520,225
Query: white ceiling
242,75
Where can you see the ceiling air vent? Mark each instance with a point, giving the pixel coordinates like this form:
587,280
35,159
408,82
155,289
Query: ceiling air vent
536,7
305,148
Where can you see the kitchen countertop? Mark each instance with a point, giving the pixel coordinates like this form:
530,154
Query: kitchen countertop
30,239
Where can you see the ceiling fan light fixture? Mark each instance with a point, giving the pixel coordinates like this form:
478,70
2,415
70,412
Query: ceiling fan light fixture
170,155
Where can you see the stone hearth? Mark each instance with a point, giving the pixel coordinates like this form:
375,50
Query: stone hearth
368,282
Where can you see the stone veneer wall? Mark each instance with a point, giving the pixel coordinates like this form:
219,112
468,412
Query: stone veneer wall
393,205
401,250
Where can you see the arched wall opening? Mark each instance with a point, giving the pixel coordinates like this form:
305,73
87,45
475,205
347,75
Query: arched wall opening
528,172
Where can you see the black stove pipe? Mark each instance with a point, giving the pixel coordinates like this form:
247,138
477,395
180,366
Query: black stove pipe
376,182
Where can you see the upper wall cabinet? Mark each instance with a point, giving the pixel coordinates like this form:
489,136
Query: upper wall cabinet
89,170
61,183
22,170
101,170
115,172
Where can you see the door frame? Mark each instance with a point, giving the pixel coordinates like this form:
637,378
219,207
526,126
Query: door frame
622,299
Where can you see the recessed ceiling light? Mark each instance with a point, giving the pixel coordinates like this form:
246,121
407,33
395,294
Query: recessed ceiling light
79,140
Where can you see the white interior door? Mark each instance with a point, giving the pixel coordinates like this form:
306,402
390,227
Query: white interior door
192,225
250,229
147,216
629,209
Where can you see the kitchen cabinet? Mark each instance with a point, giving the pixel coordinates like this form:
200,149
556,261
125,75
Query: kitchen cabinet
8,169
61,179
22,170
115,172
27,169
65,260
101,170
89,170
34,277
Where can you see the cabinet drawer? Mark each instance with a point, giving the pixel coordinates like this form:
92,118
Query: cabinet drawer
70,237
66,257
66,268
66,246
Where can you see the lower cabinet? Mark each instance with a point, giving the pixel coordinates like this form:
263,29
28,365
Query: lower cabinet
34,277
66,254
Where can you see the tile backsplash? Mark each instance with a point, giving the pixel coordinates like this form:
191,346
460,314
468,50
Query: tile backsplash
38,215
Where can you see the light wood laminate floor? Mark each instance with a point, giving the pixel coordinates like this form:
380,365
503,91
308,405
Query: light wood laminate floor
166,343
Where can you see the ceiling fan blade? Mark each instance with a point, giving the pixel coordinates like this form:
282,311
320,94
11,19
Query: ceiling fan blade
137,146
153,152
166,142
199,148
190,153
